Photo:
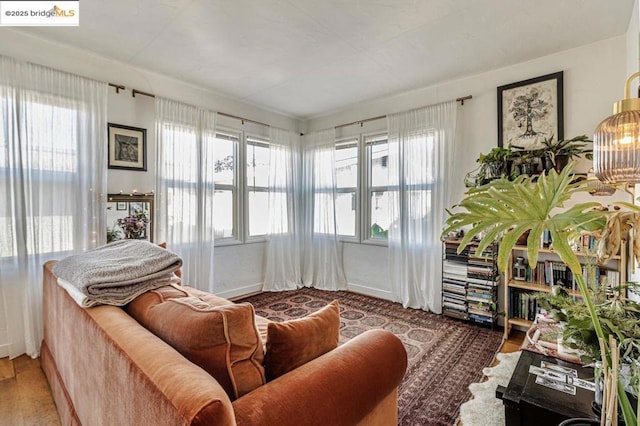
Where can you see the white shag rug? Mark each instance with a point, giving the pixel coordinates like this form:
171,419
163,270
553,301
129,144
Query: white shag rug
484,409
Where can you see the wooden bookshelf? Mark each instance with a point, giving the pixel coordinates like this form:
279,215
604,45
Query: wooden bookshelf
615,263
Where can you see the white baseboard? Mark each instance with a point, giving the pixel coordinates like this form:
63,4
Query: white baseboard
4,351
370,291
239,292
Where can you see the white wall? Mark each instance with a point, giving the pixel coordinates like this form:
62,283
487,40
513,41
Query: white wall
633,43
593,78
238,268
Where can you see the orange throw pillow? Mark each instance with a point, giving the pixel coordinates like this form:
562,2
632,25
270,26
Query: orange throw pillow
222,340
291,344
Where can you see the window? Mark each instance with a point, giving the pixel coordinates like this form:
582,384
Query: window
377,192
346,204
49,156
257,186
226,185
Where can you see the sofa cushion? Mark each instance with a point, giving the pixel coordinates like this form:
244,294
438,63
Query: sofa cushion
293,343
222,340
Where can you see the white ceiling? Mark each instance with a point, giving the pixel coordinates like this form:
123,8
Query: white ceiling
308,57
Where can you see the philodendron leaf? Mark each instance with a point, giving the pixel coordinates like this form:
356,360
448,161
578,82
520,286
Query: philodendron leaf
502,211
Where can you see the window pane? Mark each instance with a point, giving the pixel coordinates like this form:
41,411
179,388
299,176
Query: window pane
258,205
346,214
224,160
223,216
379,157
257,164
347,167
379,214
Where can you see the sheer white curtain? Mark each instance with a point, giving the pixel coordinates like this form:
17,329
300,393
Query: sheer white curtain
185,138
282,270
421,150
52,186
322,254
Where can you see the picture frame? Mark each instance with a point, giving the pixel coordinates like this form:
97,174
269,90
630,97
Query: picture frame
127,147
121,206
530,111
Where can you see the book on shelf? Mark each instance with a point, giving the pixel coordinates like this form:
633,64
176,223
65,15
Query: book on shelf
482,319
455,313
522,305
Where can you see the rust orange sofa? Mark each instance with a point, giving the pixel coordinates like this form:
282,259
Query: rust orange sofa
104,368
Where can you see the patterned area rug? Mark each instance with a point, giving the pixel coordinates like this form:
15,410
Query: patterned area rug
445,355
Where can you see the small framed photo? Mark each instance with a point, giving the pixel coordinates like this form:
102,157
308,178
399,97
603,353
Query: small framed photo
121,206
127,147
530,111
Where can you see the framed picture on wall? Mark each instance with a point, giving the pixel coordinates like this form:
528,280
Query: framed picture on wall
127,147
530,111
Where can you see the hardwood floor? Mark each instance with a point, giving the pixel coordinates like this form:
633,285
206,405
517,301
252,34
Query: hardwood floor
513,344
25,397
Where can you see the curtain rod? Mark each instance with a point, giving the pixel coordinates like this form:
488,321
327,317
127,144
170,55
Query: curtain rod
135,92
380,117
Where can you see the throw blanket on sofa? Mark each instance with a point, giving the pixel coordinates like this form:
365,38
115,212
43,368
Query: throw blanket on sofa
116,273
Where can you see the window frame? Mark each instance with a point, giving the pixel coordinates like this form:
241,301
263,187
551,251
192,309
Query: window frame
236,189
343,143
368,189
260,140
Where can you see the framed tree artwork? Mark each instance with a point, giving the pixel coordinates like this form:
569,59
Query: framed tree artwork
127,147
530,111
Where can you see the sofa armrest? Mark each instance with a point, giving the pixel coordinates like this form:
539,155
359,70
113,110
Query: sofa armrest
339,388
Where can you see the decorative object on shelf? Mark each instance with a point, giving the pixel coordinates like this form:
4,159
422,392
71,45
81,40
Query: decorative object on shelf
520,269
134,226
127,147
530,110
505,210
616,141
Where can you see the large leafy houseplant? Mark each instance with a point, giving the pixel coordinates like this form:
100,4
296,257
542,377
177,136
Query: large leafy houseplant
504,211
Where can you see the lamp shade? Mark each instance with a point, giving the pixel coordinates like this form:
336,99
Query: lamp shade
616,142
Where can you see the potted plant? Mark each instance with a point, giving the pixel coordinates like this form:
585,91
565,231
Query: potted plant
560,152
493,165
502,211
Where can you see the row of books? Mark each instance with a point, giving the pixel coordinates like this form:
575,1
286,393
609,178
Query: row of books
585,243
551,272
522,305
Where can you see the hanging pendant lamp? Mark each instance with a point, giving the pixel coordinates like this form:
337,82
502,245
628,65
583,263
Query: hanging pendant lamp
616,142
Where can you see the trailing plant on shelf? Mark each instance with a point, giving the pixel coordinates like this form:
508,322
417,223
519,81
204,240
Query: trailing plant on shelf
492,165
503,211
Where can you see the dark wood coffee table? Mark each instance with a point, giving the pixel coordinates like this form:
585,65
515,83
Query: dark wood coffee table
528,403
